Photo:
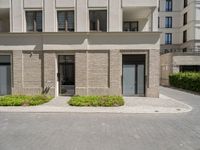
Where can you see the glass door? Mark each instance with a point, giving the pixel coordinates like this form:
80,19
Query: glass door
133,80
5,75
66,75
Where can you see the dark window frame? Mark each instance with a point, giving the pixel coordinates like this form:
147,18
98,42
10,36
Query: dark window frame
168,22
169,5
130,23
185,18
185,3
66,26
190,68
96,20
168,38
184,36
35,23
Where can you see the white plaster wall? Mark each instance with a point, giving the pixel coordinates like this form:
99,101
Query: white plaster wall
17,16
81,8
115,16
135,3
65,3
33,3
82,16
98,3
4,4
49,13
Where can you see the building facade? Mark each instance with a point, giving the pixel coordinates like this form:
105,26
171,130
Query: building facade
179,22
79,47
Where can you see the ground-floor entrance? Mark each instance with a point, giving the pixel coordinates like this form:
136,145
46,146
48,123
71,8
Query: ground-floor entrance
5,75
133,75
66,74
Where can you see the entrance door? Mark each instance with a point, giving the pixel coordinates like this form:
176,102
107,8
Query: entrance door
129,80
133,75
66,75
5,75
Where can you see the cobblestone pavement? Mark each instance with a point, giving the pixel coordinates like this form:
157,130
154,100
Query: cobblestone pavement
98,131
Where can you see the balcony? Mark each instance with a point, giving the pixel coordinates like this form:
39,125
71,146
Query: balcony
141,19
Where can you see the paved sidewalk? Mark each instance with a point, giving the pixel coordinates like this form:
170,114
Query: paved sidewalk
163,104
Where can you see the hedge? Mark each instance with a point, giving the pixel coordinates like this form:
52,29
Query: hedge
24,100
186,80
102,101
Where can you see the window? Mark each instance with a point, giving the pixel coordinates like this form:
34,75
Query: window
184,36
168,22
65,20
34,21
158,22
168,5
190,68
185,3
98,20
184,50
185,19
130,26
168,38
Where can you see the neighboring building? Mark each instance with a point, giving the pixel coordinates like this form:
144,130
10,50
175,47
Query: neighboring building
179,22
79,47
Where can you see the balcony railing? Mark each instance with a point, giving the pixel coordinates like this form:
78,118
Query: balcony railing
191,51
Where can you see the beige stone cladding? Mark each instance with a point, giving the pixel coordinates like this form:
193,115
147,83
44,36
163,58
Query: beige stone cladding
49,70
97,72
27,72
154,74
166,64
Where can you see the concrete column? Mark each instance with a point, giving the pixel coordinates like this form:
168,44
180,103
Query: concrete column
49,18
115,16
81,73
154,73
17,62
82,17
17,20
115,72
154,21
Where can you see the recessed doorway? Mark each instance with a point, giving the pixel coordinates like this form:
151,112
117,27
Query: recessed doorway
66,75
5,75
133,75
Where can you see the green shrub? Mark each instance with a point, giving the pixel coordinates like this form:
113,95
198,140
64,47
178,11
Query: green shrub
23,100
103,101
186,80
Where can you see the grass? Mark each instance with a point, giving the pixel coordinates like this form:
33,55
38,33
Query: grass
24,100
103,101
